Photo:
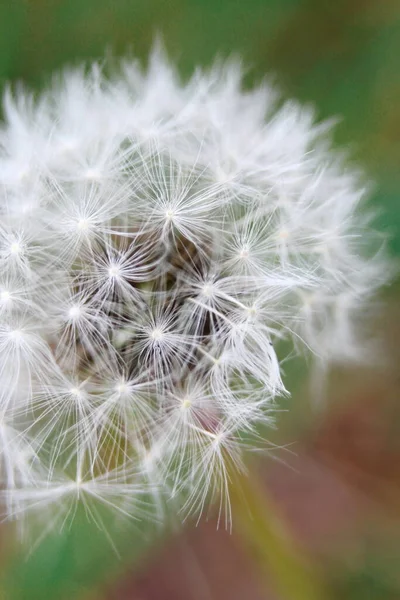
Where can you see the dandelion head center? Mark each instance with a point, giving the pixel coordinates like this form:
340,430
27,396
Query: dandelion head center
170,214
251,311
5,296
15,248
114,271
83,225
17,336
283,234
186,402
244,252
157,334
208,290
92,174
75,312
122,388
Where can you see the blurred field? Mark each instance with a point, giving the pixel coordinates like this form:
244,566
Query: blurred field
339,487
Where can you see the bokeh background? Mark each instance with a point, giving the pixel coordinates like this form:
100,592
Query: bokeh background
335,474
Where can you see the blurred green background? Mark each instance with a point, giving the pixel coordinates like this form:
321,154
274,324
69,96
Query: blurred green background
343,57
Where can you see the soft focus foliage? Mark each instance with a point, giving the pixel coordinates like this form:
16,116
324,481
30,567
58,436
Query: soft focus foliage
158,241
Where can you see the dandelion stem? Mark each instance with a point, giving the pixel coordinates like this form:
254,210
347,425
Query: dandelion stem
268,539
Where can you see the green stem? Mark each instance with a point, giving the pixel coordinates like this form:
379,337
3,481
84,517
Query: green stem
266,536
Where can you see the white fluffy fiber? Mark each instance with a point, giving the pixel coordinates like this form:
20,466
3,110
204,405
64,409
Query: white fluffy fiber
157,241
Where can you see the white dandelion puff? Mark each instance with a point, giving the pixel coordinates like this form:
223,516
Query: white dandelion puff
158,240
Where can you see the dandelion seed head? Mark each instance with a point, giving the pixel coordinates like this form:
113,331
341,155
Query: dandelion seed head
158,241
